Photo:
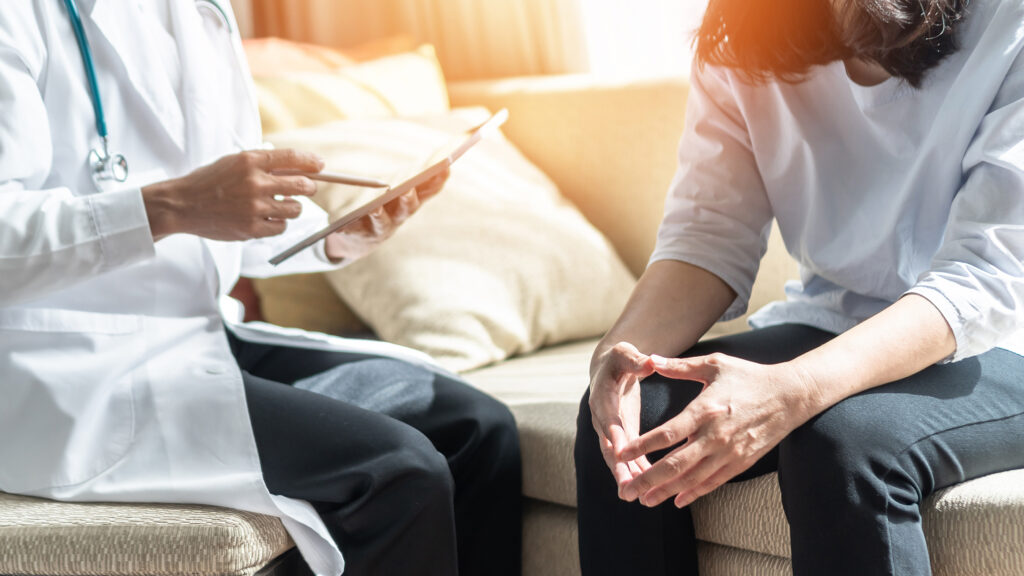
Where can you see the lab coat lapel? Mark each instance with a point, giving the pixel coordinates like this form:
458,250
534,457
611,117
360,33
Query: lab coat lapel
210,93
135,53
207,87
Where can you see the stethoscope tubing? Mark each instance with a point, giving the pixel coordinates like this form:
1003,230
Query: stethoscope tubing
90,68
103,165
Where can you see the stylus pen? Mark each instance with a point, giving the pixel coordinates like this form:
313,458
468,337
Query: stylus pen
336,178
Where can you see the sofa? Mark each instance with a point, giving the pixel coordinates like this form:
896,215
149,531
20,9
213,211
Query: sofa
610,147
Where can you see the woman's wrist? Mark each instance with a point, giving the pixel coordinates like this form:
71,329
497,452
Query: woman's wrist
803,391
600,354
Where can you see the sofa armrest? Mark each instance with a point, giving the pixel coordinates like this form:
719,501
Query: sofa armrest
610,146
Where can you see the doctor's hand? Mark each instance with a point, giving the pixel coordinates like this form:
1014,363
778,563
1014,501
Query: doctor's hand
235,198
615,407
744,411
364,235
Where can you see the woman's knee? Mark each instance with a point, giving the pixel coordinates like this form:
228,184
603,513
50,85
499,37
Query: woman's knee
847,452
587,452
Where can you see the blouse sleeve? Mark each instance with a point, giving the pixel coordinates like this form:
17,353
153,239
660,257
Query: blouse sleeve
976,278
717,214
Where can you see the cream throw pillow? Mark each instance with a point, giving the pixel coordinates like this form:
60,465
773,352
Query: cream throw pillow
497,264
308,302
406,84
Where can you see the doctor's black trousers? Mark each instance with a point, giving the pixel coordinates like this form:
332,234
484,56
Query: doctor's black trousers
412,470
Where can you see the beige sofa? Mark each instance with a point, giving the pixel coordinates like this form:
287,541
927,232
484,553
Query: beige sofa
611,149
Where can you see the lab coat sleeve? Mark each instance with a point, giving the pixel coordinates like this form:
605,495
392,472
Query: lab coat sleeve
50,238
976,279
717,215
257,253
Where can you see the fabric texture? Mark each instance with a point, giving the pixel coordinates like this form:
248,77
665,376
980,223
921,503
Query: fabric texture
497,264
715,560
58,538
306,91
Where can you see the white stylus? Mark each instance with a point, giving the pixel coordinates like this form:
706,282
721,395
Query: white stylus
336,178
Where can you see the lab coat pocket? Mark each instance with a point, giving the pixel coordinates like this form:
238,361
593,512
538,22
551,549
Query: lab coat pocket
67,412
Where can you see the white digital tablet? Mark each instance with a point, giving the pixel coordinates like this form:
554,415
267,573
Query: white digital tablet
392,193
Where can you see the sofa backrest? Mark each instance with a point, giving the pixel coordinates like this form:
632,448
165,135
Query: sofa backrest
611,147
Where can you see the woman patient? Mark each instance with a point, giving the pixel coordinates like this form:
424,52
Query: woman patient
886,138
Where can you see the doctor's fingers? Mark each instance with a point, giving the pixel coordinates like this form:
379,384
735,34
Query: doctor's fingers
381,223
402,207
430,188
276,185
375,225
264,227
287,159
284,208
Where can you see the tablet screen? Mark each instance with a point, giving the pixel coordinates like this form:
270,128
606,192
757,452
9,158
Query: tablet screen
418,179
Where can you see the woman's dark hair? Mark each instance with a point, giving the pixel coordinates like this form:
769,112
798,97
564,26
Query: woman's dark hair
784,38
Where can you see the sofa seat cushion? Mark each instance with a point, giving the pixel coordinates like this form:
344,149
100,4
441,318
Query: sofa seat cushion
972,528
543,390
59,538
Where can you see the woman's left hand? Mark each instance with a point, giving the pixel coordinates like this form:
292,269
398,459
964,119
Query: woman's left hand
744,411
364,235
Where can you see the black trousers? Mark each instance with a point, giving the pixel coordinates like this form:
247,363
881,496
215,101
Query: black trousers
852,478
413,472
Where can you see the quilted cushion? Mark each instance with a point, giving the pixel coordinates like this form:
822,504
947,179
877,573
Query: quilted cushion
58,538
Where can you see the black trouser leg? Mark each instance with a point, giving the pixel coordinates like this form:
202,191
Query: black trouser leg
871,460
381,488
617,537
475,433
853,477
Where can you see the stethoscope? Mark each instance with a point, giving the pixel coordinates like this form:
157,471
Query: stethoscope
104,166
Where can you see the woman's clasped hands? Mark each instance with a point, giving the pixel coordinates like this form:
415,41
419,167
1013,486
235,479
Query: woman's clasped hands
744,410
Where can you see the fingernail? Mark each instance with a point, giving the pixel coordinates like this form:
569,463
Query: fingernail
658,360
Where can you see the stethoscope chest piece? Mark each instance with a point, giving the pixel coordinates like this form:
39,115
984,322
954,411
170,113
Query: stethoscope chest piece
106,167
103,166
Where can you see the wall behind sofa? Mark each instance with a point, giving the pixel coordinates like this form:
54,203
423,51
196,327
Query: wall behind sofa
474,38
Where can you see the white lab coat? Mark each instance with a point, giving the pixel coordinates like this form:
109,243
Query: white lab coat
116,380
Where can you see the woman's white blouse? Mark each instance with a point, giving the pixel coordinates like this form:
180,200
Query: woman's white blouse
878,191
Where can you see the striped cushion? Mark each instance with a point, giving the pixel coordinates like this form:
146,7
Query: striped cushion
58,538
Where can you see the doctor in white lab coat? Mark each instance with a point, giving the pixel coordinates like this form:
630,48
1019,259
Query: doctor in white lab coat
122,379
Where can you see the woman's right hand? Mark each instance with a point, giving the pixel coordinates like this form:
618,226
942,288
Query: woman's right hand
616,373
235,198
